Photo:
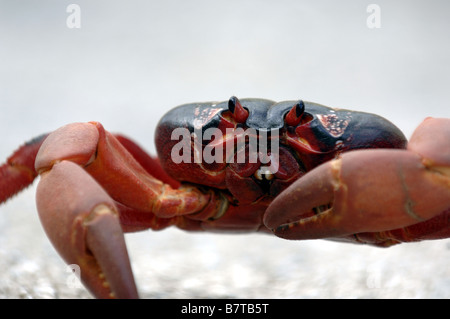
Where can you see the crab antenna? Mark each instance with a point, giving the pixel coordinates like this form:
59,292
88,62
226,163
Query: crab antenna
235,107
295,114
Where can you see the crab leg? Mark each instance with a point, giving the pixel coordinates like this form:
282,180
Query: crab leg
151,164
117,171
18,172
437,227
82,223
84,172
90,182
370,190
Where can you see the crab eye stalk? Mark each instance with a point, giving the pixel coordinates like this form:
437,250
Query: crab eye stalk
235,107
294,116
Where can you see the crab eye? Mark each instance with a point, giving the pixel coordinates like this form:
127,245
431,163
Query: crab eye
294,116
239,113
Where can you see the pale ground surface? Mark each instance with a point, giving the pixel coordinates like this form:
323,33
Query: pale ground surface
132,61
175,264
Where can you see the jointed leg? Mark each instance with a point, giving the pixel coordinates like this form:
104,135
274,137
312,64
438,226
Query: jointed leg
18,172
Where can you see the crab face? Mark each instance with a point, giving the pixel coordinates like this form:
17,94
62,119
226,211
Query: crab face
255,148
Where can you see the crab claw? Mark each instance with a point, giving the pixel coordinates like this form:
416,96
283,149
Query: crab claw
367,191
82,223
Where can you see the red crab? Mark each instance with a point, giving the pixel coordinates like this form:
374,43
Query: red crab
216,171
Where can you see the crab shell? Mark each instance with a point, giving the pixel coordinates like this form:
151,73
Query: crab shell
321,134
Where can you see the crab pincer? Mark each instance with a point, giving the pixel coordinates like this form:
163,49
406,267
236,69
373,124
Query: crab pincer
370,191
85,192
79,217
82,222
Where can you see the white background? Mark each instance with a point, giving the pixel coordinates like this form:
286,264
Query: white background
131,61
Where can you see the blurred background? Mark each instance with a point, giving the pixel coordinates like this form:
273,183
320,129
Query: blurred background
126,63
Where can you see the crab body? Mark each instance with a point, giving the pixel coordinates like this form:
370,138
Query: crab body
313,136
296,169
